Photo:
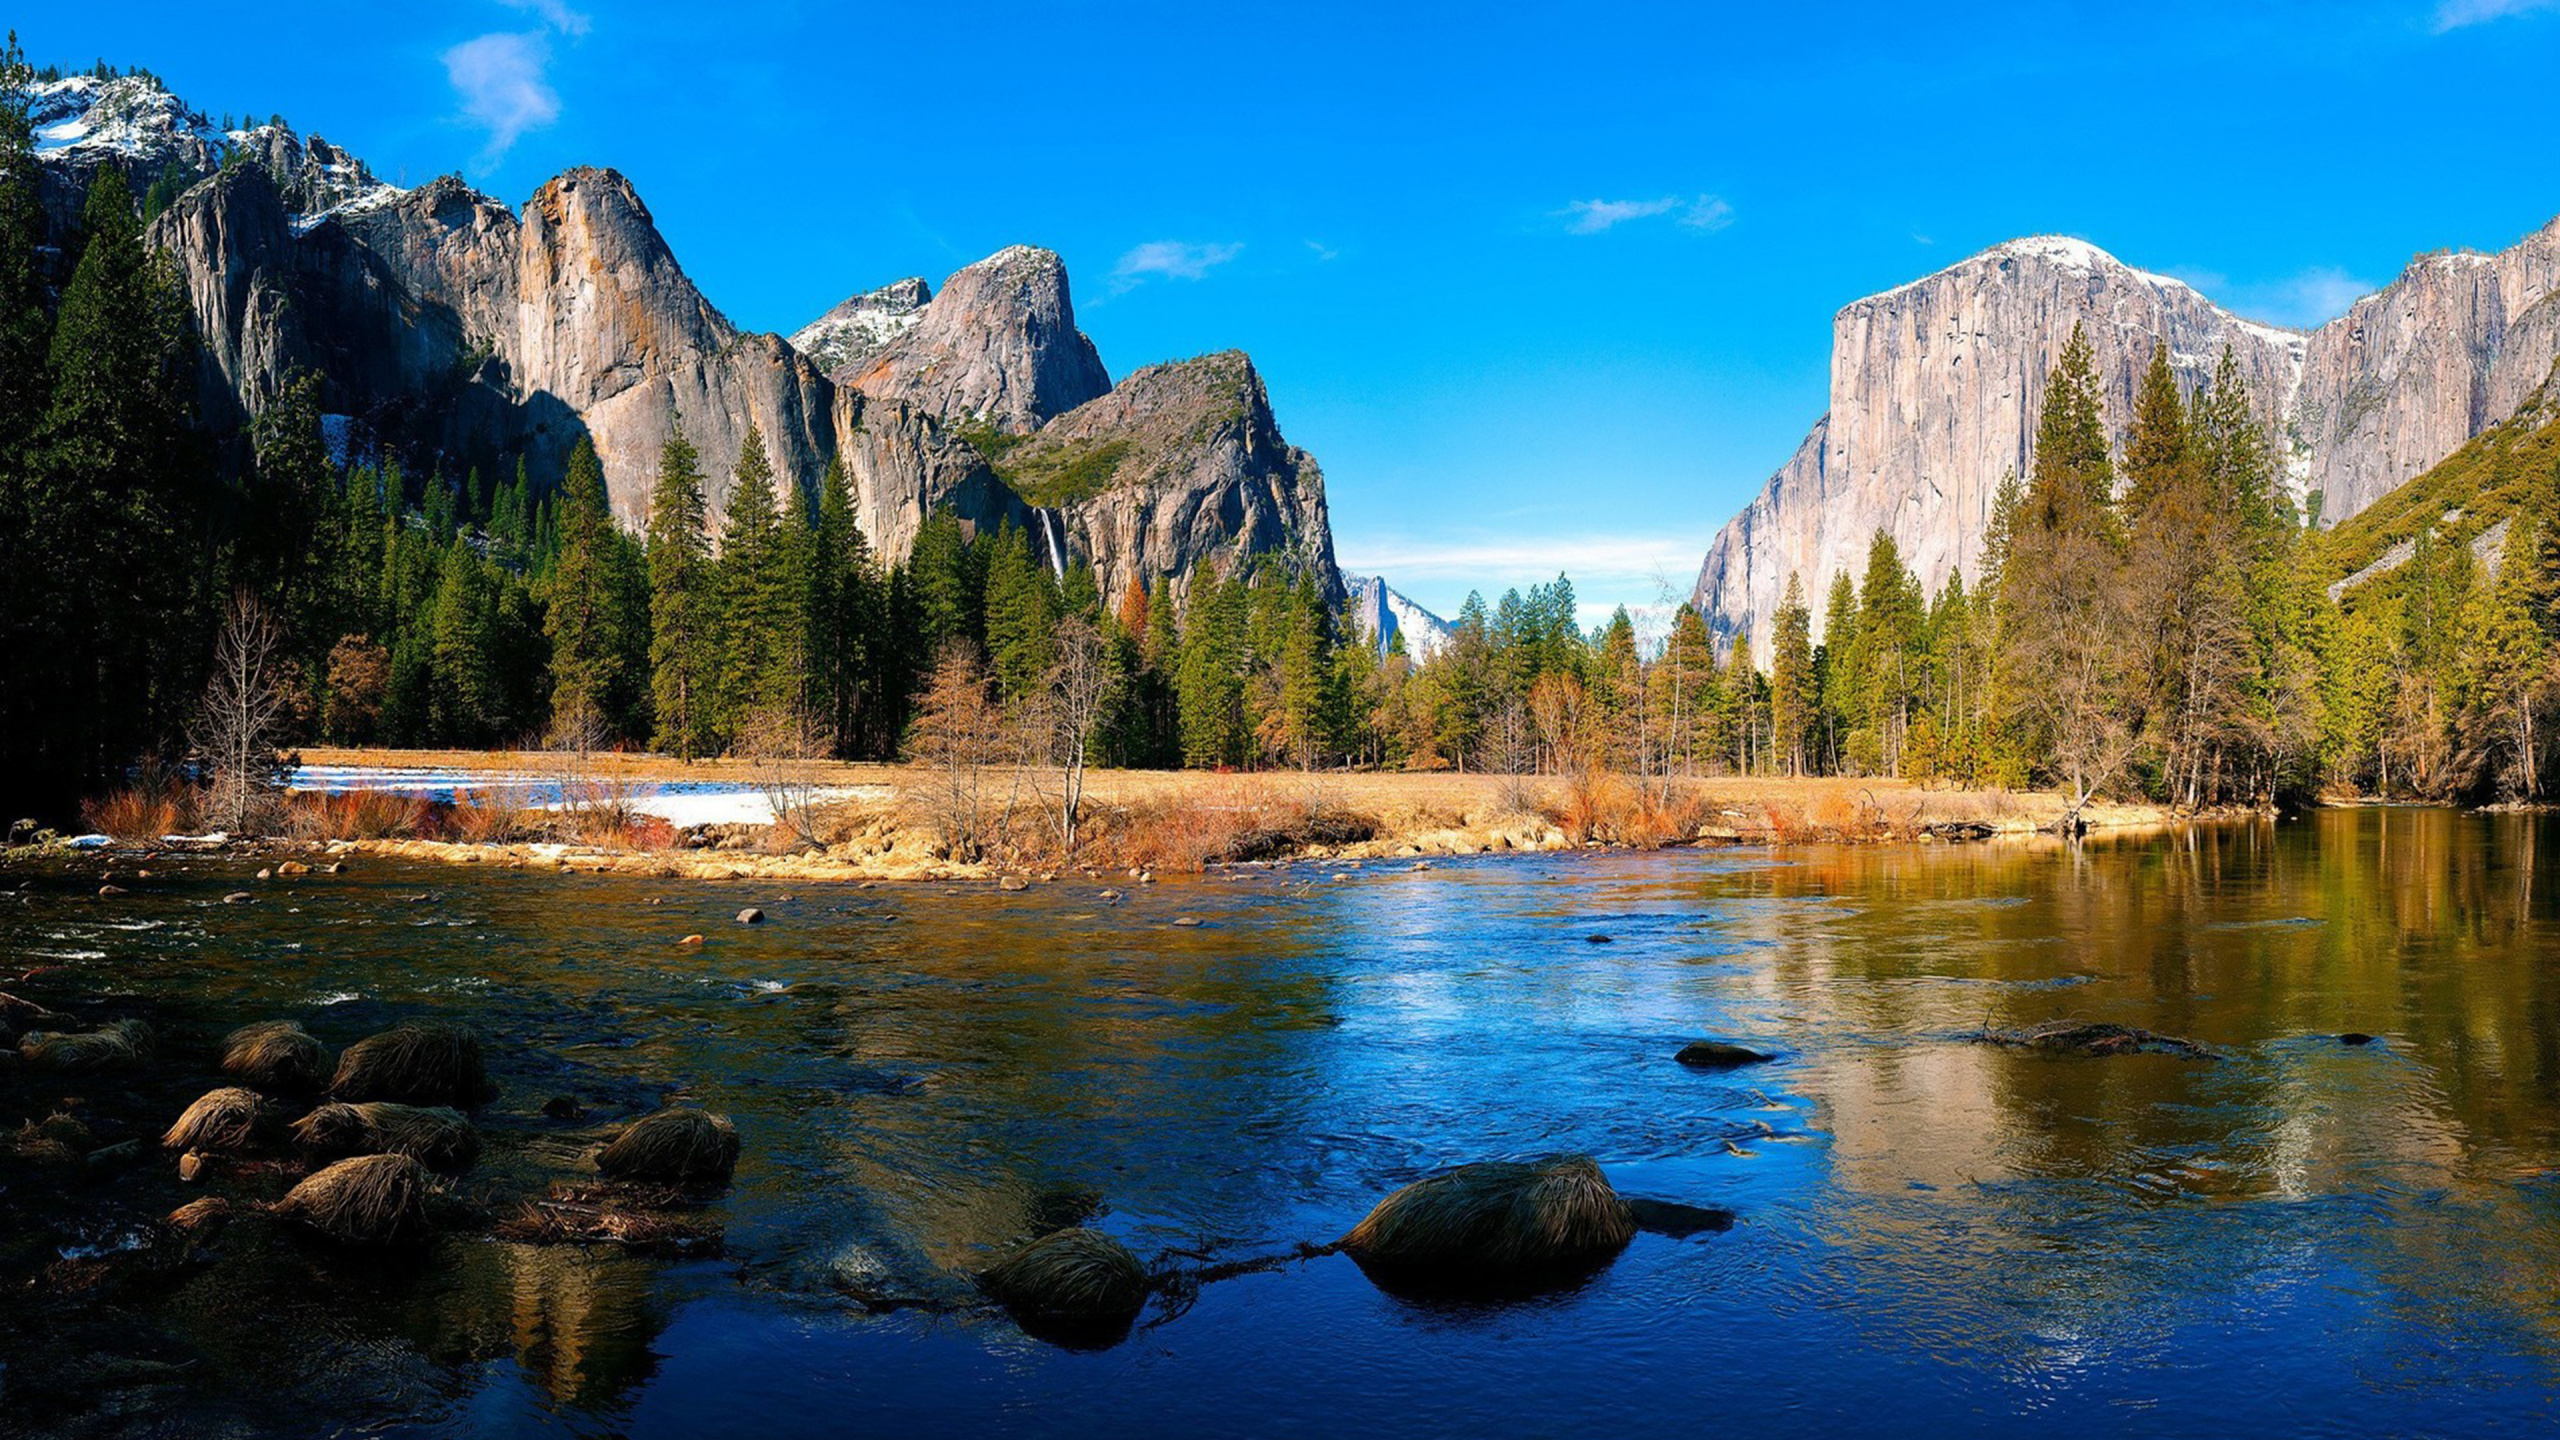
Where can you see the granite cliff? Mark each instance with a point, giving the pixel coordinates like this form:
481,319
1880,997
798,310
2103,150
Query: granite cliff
452,330
1935,387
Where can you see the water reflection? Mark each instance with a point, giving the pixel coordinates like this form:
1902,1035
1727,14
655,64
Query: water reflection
1933,1232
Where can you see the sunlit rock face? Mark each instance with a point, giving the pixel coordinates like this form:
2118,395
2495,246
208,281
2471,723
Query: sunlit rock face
450,331
1935,387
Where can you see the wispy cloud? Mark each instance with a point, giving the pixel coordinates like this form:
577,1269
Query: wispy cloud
2455,14
503,79
1592,217
1322,251
504,87
2305,300
1171,260
554,14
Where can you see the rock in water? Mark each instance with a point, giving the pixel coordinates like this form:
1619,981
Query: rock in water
751,916
682,1146
2092,1038
1717,1055
1070,1278
372,1200
420,1064
274,1055
1497,1224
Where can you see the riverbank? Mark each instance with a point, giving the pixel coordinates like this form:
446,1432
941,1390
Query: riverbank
888,822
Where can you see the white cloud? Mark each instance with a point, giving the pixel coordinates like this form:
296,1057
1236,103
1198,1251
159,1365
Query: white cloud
1323,251
1707,212
1172,259
501,81
1591,217
554,14
2455,14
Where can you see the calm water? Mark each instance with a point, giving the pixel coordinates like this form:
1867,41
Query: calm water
2301,1238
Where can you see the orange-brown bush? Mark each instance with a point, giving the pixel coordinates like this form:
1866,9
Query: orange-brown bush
357,815
1247,818
1593,804
483,818
144,811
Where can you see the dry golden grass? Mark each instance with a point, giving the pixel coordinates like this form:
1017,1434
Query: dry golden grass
1494,1218
371,1200
274,1055
123,1045
680,1146
422,1064
229,1121
1072,1277
432,1135
141,813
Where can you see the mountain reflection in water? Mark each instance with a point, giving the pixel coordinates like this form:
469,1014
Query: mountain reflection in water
2296,1237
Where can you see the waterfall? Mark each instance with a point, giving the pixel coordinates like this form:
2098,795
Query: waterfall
1054,530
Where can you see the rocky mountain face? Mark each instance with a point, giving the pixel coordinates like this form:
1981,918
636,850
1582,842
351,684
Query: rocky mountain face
1935,388
1383,614
450,330
998,348
1179,464
849,337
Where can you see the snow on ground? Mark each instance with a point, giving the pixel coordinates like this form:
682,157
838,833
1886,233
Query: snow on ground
684,803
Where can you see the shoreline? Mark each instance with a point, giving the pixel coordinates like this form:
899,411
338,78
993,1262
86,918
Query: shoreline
1142,823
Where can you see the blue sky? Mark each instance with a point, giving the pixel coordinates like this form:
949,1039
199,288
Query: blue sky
1541,286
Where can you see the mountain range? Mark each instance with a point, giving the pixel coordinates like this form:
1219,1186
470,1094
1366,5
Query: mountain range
1935,386
453,330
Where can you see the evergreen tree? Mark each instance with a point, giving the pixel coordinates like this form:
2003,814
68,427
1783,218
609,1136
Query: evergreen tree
1791,694
763,589
1022,610
683,640
117,499
586,619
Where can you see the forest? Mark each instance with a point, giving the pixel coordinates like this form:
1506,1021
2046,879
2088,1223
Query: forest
2152,613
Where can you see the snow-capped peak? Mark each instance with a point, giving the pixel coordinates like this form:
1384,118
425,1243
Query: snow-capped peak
83,122
1383,613
861,326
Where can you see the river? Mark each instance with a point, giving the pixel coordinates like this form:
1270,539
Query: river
2300,1237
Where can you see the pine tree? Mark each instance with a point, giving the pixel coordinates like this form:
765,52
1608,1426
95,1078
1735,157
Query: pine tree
29,643
585,617
116,497
1791,696
464,708
763,589
683,655
1022,609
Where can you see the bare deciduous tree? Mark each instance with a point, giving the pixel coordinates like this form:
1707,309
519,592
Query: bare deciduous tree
239,730
960,733
787,747
1061,719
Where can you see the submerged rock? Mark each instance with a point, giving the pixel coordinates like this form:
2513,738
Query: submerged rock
1717,1055
2092,1038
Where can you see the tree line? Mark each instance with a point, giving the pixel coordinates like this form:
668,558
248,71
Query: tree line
2151,612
